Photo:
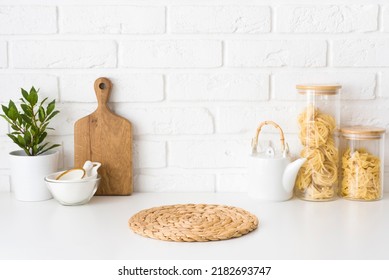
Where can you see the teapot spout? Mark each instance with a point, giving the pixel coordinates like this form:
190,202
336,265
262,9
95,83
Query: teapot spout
290,173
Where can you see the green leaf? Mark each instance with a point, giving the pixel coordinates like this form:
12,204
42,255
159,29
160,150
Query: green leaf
7,119
51,107
26,109
13,137
14,127
42,137
27,137
42,114
33,96
42,147
44,127
34,150
52,115
25,94
20,119
5,110
21,141
49,148
34,133
15,140
26,119
43,101
12,111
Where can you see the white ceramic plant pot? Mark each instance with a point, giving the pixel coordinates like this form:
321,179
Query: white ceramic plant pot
28,173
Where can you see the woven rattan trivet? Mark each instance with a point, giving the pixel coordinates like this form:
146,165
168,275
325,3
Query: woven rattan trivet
193,222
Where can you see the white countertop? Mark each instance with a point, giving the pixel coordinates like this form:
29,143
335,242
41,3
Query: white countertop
293,229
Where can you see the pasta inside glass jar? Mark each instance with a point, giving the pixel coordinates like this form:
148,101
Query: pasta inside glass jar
362,163
319,121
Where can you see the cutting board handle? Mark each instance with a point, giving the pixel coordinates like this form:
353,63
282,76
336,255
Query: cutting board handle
103,91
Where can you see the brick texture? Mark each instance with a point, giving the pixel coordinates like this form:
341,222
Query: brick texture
244,119
3,127
112,19
3,55
126,87
169,120
355,85
5,185
149,154
47,85
208,154
385,18
361,52
276,53
327,18
218,87
28,20
174,183
219,19
63,54
171,54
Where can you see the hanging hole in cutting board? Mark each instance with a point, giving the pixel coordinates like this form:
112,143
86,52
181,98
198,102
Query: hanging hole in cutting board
102,86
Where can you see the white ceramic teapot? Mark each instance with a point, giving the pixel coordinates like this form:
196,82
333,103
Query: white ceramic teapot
272,173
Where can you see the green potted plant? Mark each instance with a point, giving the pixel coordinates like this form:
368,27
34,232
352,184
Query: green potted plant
37,158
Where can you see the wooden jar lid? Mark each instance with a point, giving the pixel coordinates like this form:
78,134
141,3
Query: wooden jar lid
320,89
359,131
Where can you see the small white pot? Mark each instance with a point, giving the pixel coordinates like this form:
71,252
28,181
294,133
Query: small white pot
28,173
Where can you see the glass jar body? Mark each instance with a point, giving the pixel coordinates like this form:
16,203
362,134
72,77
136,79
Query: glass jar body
319,120
362,166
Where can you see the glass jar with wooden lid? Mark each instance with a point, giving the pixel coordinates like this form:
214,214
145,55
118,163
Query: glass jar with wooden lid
362,163
319,121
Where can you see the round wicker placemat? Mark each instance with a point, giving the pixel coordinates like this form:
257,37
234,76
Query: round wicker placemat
193,222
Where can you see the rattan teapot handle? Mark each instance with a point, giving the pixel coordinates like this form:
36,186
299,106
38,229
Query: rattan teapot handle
254,142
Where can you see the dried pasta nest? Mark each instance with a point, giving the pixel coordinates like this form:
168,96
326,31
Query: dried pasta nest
317,177
193,222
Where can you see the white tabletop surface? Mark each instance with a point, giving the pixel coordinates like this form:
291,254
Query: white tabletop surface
293,229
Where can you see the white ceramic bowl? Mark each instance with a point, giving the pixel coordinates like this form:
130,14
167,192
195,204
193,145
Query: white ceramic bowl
72,192
52,178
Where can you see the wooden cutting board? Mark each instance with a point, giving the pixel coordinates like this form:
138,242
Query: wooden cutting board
107,138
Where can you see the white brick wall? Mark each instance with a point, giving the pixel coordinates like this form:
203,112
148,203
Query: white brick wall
327,19
167,120
112,20
126,87
218,87
207,154
174,183
355,85
361,52
3,54
149,154
244,119
384,89
6,146
219,19
3,128
63,54
385,17
277,53
28,20
194,77
47,85
171,54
